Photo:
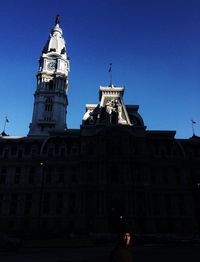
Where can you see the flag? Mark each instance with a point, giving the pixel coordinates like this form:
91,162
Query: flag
110,68
7,121
193,122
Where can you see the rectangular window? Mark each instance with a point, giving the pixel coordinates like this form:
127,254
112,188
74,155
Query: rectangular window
5,153
181,205
48,178
19,155
27,208
18,170
165,179
153,173
74,178
57,148
26,223
72,202
61,178
4,170
122,178
153,179
113,175
61,169
155,203
178,180
50,152
17,179
168,204
141,204
2,179
31,170
13,204
74,150
33,152
1,202
62,152
46,202
27,150
28,197
31,179
14,197
60,174
59,203
28,204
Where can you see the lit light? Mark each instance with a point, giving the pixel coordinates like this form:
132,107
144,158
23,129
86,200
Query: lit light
121,217
41,163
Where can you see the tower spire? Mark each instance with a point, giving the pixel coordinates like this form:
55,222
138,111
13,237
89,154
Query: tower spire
51,100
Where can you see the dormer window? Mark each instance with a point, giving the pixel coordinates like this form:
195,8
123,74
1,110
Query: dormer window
63,51
52,50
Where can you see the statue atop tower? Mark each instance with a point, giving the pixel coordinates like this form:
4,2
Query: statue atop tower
57,20
50,98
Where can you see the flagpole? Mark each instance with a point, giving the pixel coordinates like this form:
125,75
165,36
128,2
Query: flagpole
110,71
193,122
6,121
111,76
4,126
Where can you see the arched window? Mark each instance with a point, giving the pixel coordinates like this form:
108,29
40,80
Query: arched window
49,105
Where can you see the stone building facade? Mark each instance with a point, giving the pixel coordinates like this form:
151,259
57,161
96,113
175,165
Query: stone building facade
91,179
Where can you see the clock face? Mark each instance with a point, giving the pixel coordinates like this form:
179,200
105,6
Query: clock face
51,65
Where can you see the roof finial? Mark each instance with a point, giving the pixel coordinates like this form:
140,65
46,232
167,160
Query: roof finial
57,22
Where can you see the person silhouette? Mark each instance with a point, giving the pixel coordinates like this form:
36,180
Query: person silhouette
122,251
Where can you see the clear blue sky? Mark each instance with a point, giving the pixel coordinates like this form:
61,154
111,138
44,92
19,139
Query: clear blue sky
154,46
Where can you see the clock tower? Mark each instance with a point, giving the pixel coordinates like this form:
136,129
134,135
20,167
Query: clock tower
50,98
